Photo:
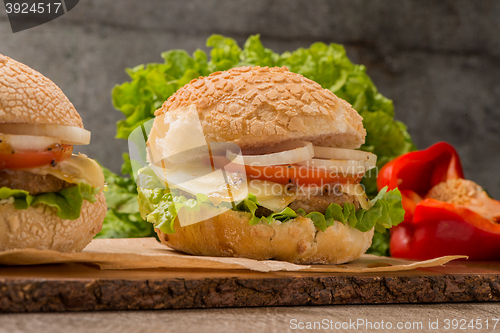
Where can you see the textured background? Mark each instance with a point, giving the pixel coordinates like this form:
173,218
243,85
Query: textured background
438,60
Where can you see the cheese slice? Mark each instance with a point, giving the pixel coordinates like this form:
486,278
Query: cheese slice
223,185
271,195
75,170
358,191
199,178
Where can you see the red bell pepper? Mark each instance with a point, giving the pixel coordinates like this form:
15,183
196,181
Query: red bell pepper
435,228
419,171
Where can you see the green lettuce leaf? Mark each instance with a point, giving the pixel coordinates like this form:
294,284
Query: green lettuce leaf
250,204
387,139
21,199
123,219
387,211
380,244
67,203
255,54
151,85
225,53
160,207
118,225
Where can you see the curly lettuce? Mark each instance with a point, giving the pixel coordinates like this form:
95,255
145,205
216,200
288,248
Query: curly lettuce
160,207
123,219
67,203
386,212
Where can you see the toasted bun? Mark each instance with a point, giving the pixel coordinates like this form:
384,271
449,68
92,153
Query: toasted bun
298,240
38,227
28,97
254,106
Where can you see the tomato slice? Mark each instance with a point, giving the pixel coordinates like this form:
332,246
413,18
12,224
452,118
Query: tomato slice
299,175
290,174
25,159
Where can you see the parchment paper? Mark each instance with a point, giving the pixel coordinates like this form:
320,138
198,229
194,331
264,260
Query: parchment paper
136,253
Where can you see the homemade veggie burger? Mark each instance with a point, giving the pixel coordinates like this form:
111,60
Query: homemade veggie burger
302,201
49,198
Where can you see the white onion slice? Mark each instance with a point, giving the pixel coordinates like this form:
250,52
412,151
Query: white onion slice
344,167
285,153
369,159
69,135
29,142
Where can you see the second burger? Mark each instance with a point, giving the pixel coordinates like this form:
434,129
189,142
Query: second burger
49,197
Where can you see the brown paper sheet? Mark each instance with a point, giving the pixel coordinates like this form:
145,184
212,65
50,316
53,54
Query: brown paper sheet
136,253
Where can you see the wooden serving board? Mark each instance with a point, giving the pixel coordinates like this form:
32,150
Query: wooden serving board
80,287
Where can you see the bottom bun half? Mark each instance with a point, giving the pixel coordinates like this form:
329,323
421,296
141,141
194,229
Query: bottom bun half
38,227
297,241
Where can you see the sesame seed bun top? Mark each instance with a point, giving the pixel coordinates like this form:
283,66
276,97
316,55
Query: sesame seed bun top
28,97
257,106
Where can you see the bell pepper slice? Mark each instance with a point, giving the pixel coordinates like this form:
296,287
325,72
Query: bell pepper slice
419,171
435,228
410,200
439,228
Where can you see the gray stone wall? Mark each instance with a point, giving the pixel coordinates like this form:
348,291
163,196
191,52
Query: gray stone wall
438,60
